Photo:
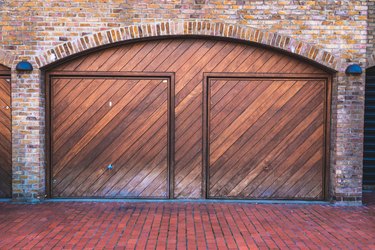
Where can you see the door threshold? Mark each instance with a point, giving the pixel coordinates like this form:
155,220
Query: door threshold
188,201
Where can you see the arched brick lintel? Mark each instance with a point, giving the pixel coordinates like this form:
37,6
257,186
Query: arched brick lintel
6,58
201,28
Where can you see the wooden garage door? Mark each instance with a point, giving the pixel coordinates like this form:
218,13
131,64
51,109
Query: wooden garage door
5,138
110,137
266,138
188,59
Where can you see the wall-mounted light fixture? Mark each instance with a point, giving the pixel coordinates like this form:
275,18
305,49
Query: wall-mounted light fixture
24,66
353,69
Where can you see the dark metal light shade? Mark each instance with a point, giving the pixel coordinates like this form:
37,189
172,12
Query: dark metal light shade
353,69
24,66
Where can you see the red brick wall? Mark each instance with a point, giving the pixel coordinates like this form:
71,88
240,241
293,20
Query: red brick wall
371,33
340,27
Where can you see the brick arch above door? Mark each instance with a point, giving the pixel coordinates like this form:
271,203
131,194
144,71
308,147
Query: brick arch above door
188,28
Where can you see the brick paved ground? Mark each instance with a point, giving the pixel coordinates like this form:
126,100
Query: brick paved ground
186,225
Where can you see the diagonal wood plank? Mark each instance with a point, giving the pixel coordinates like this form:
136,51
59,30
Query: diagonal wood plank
241,123
252,182
89,112
132,107
116,136
291,147
282,172
138,151
99,125
257,133
240,185
87,88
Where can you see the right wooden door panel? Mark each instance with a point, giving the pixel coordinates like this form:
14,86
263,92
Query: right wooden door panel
266,138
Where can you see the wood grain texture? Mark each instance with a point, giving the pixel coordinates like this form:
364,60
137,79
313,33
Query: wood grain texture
266,138
103,121
5,139
188,59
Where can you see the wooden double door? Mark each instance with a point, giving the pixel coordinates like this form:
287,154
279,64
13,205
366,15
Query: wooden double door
188,118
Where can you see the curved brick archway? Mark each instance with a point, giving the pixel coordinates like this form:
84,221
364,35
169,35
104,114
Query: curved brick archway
201,28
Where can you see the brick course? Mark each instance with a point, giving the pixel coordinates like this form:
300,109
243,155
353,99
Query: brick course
330,32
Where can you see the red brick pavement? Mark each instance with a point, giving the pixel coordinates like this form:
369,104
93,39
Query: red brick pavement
178,225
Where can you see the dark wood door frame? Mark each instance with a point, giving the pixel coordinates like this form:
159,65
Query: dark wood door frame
113,75
257,76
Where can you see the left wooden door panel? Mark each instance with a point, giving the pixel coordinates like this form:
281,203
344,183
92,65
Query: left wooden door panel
5,139
109,137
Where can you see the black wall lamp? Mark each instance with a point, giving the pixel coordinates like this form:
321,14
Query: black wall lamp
24,66
353,69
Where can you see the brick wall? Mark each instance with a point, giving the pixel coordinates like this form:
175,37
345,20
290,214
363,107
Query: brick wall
30,27
28,136
371,33
347,138
338,26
